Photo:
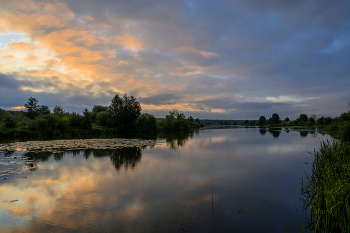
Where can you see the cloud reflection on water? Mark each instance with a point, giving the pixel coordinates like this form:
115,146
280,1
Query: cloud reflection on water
138,189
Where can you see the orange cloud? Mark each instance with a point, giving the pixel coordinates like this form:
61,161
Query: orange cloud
18,107
128,41
30,89
197,51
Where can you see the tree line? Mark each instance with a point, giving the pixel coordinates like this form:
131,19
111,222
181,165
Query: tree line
122,115
335,125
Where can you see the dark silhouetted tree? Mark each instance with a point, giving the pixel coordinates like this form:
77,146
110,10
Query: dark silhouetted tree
312,120
286,119
87,119
58,111
9,121
146,123
99,108
32,108
125,112
303,117
275,118
44,110
262,120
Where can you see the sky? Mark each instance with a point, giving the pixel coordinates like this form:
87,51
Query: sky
224,59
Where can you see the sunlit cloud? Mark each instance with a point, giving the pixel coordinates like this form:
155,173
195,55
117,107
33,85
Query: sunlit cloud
74,48
281,99
199,52
18,108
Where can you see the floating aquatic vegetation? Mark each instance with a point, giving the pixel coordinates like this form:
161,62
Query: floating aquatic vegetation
57,146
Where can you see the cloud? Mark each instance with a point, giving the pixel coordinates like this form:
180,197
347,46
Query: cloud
196,51
7,82
181,52
163,98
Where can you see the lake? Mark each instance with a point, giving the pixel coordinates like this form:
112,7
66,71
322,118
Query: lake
213,180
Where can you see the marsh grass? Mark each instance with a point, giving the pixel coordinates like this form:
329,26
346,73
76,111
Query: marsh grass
327,190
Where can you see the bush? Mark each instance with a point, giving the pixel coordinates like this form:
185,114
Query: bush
320,121
345,133
345,116
62,124
75,120
327,120
22,133
103,119
10,133
176,121
146,123
97,131
9,121
2,134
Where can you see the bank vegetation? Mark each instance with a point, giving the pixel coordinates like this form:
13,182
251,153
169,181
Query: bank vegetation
124,114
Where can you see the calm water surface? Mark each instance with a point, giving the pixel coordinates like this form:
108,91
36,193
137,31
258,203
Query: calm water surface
213,180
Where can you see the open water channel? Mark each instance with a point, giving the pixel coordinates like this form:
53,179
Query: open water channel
211,180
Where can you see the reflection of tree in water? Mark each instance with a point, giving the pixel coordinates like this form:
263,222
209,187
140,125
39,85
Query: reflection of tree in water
42,156
286,129
262,131
127,157
175,139
8,153
304,133
275,132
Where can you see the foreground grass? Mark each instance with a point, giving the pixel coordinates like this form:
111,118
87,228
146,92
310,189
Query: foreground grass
327,191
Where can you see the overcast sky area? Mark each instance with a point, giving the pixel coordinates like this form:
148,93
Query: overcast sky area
209,59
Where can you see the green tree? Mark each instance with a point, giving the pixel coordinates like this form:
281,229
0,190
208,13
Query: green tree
252,123
190,119
345,116
176,121
303,117
286,119
125,112
197,121
262,121
319,121
58,111
44,110
75,120
87,119
275,118
32,108
146,123
99,108
104,119
246,122
311,120
327,120
9,121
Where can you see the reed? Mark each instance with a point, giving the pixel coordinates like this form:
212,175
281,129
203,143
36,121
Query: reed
327,189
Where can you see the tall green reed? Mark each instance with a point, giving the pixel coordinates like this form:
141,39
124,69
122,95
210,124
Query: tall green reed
327,189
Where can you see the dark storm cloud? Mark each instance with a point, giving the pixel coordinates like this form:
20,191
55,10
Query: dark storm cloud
8,82
164,98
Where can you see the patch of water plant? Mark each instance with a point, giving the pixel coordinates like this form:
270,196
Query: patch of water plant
327,189
55,146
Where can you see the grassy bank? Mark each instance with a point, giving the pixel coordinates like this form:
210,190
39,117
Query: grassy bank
327,189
